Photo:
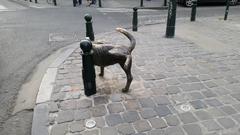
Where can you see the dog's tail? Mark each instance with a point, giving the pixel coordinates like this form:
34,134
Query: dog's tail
129,36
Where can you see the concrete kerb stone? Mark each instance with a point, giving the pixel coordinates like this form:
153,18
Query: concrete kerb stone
41,110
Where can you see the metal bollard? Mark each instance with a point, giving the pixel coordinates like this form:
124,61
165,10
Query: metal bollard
99,3
30,0
141,3
36,1
89,28
88,71
74,3
226,11
194,9
170,30
135,20
55,2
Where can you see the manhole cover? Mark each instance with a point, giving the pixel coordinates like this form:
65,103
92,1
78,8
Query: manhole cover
90,123
185,107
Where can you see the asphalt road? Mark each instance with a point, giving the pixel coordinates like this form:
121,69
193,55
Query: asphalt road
24,42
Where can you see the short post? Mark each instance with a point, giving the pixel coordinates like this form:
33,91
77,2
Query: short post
135,19
74,3
55,2
36,1
100,3
88,71
89,28
226,11
141,3
194,9
172,7
165,3
30,0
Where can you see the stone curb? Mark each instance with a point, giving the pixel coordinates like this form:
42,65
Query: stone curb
40,115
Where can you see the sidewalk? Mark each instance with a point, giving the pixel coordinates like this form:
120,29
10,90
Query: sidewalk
180,86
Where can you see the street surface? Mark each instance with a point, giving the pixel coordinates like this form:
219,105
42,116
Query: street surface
29,35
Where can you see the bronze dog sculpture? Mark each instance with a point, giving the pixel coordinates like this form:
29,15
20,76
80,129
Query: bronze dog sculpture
107,54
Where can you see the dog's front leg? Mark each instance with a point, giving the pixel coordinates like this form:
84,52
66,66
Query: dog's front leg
101,71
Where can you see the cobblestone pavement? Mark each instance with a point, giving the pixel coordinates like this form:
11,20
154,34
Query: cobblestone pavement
179,88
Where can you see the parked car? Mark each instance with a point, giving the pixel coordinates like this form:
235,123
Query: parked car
188,3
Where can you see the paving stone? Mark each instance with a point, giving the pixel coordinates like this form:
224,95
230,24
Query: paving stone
109,131
100,122
82,114
158,123
236,96
140,134
215,112
161,100
125,129
193,79
226,122
130,116
213,102
68,105
204,77
228,110
162,110
116,97
231,80
192,87
172,82
84,103
236,118
90,132
175,130
77,126
59,129
115,107
157,132
148,113
53,107
172,120
196,95
210,84
147,103
187,117
100,100
203,115
65,116
142,125
98,111
227,99
172,90
131,105
113,119
237,107
193,129
211,125
184,80
198,104
208,93
220,91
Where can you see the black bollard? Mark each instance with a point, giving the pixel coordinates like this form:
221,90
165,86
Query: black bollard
74,3
30,0
89,28
226,11
165,3
135,20
99,3
55,2
36,1
141,3
170,31
194,9
88,71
